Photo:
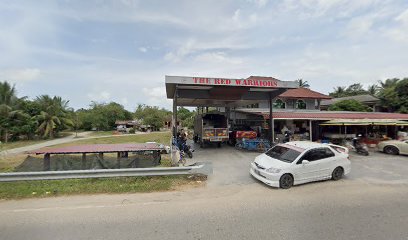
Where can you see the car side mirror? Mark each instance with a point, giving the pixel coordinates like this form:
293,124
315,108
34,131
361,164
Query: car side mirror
305,162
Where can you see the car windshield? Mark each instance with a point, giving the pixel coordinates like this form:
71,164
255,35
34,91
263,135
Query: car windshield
283,153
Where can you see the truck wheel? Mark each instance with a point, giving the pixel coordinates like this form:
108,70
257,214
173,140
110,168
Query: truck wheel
219,144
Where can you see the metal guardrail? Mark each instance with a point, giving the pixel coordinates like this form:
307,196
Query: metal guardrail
200,168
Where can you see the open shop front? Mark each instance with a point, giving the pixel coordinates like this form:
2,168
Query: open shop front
225,93
327,126
372,131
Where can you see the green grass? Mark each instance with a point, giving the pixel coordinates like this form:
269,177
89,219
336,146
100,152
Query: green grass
35,189
17,144
23,143
160,137
103,133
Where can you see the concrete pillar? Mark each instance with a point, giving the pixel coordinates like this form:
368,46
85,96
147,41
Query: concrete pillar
310,130
174,118
83,162
47,162
271,123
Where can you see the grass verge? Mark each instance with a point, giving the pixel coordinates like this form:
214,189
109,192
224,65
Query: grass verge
102,133
160,137
23,143
38,189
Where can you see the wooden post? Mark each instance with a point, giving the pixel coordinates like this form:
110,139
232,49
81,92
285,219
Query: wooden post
83,162
47,162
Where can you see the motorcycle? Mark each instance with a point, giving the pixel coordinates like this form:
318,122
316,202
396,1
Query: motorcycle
287,137
184,147
358,146
361,148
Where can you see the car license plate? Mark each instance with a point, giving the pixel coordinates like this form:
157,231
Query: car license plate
215,139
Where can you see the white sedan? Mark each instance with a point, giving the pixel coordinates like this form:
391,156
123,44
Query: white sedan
394,147
299,162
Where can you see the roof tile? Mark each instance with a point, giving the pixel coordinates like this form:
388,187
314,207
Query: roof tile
303,93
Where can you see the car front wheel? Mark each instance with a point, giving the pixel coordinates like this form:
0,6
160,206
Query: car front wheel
338,173
286,181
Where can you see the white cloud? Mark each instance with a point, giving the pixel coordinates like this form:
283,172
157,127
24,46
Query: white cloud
155,92
216,58
184,50
143,49
156,96
124,101
20,75
102,96
328,8
400,31
403,17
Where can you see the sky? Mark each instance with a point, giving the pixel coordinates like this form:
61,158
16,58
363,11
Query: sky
101,50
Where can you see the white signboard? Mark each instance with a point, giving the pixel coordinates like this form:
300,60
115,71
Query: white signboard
249,82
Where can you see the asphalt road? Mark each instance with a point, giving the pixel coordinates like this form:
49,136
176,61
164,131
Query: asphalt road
369,204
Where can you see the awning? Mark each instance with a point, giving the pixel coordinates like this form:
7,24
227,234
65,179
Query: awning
364,122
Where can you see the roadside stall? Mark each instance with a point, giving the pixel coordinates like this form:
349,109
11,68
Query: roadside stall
372,130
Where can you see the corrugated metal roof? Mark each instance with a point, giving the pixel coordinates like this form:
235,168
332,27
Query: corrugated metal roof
335,115
101,148
322,115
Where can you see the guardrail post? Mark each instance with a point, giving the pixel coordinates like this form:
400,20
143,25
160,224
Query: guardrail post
118,157
83,162
47,162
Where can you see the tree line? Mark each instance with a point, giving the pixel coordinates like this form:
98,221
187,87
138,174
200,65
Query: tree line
393,95
46,116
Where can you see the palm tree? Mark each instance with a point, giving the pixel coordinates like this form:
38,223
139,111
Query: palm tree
7,93
303,84
7,101
388,83
338,92
387,94
53,116
373,89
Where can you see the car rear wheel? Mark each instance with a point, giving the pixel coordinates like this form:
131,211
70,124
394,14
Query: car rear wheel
338,173
286,181
391,150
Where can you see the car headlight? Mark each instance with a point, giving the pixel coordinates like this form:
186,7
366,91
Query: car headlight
273,170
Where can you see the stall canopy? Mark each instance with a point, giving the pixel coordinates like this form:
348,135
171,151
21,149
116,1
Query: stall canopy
364,122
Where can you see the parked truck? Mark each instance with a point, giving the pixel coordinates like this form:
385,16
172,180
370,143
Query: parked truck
211,128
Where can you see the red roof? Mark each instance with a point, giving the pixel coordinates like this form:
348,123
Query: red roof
327,115
303,93
260,78
102,148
